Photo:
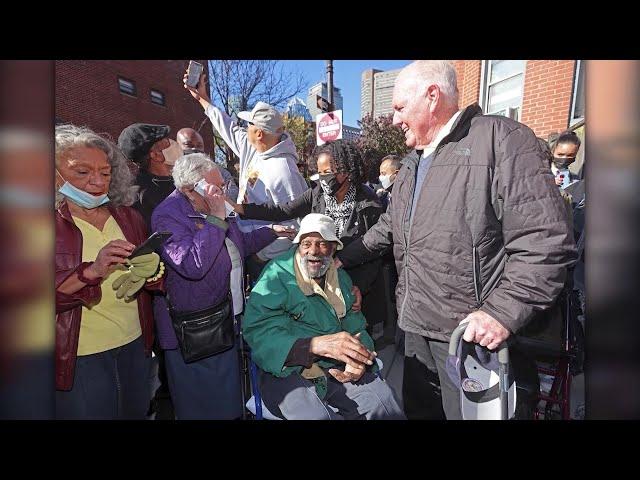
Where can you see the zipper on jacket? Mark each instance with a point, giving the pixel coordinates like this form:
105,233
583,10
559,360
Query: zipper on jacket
476,274
407,237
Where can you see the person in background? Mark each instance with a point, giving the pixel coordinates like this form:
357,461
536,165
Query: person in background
268,164
565,150
389,168
192,142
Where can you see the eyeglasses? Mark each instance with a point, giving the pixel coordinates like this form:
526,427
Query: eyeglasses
322,245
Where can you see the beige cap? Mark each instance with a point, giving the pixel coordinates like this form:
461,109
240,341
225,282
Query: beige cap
317,222
263,116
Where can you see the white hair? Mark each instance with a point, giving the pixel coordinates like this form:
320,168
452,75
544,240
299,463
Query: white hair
122,190
436,72
190,169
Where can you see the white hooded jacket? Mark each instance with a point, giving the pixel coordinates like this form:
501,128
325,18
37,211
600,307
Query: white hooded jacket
270,177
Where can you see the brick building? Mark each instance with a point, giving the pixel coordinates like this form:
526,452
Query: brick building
108,95
545,95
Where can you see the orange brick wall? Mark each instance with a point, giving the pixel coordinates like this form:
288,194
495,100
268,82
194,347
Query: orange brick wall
87,94
546,102
468,72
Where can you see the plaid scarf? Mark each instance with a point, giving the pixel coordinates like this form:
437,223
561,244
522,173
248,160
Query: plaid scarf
340,213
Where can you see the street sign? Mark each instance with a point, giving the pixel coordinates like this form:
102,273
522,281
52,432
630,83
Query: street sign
323,104
328,127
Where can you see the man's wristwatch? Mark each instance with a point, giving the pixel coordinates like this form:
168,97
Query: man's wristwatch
82,278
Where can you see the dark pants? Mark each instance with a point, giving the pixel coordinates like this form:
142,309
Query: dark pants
108,385
208,389
427,391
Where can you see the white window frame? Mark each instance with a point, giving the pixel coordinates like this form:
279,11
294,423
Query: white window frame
121,81
485,75
164,101
572,120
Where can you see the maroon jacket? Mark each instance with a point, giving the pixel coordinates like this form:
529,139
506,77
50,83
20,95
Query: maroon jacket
69,307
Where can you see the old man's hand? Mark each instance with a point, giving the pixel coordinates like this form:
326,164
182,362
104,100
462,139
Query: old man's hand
485,330
344,347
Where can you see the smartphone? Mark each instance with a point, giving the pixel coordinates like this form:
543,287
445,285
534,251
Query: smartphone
151,244
194,72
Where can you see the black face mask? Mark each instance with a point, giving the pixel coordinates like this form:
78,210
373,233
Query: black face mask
563,162
329,183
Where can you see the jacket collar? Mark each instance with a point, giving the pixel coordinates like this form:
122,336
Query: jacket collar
459,130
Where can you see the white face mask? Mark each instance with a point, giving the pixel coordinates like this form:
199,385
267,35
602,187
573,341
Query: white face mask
385,180
172,153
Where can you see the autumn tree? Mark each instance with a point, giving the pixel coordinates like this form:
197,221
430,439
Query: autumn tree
236,85
303,135
379,138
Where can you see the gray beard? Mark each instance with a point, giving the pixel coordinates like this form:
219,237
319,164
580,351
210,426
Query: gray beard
326,263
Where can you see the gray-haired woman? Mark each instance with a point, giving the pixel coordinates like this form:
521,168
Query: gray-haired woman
103,336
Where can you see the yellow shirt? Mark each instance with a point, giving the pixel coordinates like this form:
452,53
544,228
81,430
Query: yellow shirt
112,322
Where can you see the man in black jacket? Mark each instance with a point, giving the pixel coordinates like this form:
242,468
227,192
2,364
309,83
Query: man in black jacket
477,227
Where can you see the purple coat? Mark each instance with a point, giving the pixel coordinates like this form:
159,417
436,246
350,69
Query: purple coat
198,264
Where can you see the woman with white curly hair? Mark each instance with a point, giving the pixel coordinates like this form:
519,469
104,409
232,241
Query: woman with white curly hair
104,319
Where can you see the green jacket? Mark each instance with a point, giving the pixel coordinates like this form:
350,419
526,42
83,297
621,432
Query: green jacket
278,313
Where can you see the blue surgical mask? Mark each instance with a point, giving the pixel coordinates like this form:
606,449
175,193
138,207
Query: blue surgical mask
80,197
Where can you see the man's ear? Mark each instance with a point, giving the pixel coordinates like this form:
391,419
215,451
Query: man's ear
433,95
259,134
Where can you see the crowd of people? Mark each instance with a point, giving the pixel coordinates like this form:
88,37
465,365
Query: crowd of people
481,223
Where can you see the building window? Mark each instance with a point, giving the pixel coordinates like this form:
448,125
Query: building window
127,86
157,97
577,104
503,85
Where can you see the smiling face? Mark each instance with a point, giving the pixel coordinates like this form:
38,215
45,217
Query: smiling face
412,112
317,254
85,168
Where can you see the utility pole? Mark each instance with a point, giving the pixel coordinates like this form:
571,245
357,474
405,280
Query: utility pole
330,81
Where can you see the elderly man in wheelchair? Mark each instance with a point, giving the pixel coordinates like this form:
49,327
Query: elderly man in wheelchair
315,358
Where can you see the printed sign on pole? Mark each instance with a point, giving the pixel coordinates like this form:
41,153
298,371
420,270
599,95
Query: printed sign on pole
328,127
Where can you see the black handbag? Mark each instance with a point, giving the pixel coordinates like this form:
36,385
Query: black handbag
202,333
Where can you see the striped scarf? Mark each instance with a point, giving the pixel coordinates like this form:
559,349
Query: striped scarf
340,213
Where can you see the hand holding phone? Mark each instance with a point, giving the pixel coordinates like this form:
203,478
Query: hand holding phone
194,71
151,244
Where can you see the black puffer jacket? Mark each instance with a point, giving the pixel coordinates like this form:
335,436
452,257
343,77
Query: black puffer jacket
489,231
365,214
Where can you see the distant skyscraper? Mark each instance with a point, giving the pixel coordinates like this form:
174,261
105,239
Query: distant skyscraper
350,133
322,90
377,92
297,108
366,92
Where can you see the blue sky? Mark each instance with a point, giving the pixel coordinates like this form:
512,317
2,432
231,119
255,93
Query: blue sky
346,76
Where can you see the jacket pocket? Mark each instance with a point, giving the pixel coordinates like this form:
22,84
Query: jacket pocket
477,285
